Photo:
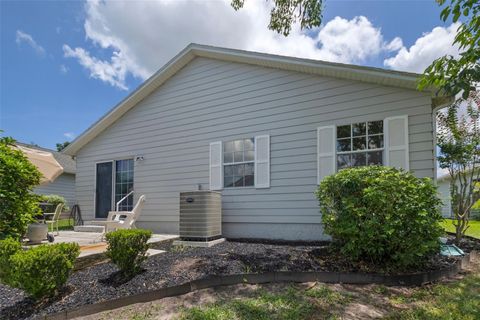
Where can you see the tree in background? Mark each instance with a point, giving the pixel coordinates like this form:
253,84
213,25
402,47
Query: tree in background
18,177
458,134
454,75
458,137
61,146
286,13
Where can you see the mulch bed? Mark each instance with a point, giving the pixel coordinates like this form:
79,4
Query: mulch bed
467,244
180,264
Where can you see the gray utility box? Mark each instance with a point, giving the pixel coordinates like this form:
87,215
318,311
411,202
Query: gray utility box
200,215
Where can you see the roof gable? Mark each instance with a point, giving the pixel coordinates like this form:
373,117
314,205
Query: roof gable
322,68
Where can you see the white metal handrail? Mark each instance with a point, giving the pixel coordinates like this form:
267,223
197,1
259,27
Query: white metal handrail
121,200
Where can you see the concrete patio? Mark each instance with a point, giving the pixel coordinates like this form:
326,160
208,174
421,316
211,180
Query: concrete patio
92,243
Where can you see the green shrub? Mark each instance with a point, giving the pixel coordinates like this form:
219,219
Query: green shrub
381,215
8,247
475,214
42,270
54,200
475,211
128,249
18,177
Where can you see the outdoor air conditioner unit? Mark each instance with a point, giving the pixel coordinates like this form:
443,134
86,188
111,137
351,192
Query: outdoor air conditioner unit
200,215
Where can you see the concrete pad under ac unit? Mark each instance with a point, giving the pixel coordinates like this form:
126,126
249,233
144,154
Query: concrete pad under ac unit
201,244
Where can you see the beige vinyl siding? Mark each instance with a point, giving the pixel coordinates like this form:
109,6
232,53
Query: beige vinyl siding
211,100
63,186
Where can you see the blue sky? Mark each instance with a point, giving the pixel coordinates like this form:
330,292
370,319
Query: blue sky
63,64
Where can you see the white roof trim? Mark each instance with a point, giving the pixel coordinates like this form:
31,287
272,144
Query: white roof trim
330,69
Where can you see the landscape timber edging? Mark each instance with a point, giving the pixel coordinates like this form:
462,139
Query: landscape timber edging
414,279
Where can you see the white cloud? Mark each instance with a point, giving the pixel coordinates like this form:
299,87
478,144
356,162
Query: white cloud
69,135
351,41
112,72
430,46
141,46
394,45
22,37
63,69
441,172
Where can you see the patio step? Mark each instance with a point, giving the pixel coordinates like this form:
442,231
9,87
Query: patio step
89,228
94,223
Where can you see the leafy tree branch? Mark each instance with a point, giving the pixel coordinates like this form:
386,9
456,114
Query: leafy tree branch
286,13
454,75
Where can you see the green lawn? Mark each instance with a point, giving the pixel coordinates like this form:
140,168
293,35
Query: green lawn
451,299
65,224
292,303
473,230
456,300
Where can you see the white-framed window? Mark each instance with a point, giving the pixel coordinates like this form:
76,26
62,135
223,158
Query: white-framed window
360,144
383,142
239,163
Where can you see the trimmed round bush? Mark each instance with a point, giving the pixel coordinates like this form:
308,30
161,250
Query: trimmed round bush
128,249
54,200
381,215
39,271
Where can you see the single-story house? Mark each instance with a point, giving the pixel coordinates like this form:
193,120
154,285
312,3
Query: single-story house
63,185
263,129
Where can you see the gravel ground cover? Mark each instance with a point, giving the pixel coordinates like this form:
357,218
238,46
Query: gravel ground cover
179,265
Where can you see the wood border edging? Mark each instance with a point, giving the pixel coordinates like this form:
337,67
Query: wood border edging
415,279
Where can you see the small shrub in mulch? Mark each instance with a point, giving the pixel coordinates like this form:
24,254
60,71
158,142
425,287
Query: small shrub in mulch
128,249
40,271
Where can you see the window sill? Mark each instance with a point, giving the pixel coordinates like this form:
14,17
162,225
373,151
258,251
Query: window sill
243,188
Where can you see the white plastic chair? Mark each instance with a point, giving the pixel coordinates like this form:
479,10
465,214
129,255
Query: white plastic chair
124,219
55,217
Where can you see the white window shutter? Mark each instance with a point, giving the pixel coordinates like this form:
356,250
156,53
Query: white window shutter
396,142
262,161
326,163
216,165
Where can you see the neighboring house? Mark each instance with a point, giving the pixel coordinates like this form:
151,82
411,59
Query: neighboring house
443,183
263,129
64,185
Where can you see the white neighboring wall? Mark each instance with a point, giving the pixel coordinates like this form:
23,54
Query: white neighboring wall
63,186
211,100
444,191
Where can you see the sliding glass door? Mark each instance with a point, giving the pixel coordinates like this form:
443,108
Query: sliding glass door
124,184
103,190
114,180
